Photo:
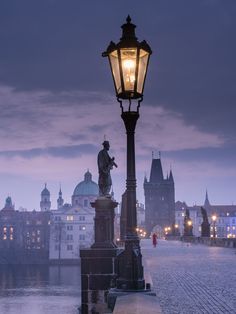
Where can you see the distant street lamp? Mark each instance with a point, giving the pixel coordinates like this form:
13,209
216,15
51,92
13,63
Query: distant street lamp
190,223
129,61
214,217
175,230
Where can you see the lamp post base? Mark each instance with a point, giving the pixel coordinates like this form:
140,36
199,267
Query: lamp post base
131,301
129,267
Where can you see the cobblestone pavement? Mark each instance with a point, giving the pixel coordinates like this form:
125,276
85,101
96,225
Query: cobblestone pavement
190,278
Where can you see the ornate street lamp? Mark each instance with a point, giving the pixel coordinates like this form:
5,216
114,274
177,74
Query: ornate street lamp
129,61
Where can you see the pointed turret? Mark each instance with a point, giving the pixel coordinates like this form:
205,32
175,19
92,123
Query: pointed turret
171,176
88,176
60,200
156,174
45,203
145,179
207,203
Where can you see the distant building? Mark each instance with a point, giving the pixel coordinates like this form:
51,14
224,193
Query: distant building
24,235
72,225
231,225
50,234
10,228
225,224
140,214
35,230
159,198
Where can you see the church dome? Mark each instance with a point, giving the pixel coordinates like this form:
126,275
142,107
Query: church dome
8,204
86,187
45,191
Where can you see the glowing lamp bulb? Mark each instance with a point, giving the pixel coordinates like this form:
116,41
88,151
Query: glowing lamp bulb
129,64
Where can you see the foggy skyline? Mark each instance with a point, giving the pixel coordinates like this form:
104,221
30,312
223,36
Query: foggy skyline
54,87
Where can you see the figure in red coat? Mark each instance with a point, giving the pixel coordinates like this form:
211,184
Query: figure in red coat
154,240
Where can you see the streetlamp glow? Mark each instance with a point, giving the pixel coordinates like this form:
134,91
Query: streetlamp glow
214,217
128,61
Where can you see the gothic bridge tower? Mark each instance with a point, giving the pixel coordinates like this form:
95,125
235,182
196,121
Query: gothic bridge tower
159,198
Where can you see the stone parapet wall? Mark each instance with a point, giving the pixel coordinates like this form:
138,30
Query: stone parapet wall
221,242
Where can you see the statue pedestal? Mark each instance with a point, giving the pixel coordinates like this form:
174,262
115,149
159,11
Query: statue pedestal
205,229
104,222
98,271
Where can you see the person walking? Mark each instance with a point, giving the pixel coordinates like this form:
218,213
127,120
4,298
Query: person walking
154,240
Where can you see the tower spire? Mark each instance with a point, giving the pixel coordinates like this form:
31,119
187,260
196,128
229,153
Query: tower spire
156,174
171,176
60,200
207,203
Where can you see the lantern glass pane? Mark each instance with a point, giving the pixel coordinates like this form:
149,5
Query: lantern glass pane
129,64
113,56
143,61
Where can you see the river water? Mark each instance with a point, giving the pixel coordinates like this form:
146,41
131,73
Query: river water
39,289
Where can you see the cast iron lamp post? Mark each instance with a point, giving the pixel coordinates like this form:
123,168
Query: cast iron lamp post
129,61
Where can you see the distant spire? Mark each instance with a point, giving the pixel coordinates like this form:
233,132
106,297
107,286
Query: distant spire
87,176
152,154
156,174
171,176
60,200
207,203
159,154
145,178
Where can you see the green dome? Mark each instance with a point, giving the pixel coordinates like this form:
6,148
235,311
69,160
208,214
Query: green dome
86,187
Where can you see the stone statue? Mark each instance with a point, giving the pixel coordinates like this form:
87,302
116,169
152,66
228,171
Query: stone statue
204,215
188,225
205,226
105,164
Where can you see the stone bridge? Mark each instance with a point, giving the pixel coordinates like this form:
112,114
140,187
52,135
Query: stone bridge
191,278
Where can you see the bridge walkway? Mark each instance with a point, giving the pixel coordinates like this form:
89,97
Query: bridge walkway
190,278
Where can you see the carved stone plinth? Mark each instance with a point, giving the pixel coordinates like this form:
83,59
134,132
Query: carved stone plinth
98,272
205,229
97,277
104,222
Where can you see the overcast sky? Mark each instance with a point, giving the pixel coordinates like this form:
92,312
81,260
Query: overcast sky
57,99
